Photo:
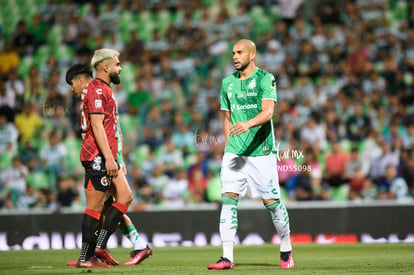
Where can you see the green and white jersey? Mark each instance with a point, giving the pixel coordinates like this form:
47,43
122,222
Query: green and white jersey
243,98
119,151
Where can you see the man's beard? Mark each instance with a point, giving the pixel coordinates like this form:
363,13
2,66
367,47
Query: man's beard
114,77
242,67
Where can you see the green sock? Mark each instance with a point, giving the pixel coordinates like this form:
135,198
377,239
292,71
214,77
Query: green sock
135,238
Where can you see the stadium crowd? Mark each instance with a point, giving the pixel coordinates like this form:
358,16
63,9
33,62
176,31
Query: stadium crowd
344,122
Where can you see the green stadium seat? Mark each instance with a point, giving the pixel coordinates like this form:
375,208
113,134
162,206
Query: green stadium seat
140,154
41,55
5,162
213,190
73,147
340,193
24,66
38,179
55,35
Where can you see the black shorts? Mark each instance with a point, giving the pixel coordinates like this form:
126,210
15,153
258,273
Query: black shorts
95,174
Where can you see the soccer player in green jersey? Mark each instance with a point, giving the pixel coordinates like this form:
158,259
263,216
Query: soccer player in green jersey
248,98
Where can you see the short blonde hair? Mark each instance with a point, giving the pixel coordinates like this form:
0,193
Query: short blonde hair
103,54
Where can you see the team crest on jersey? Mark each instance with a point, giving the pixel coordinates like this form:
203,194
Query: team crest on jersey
252,84
99,91
104,181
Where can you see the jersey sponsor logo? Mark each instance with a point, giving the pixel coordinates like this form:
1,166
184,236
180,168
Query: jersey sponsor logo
98,103
97,163
104,181
246,106
252,84
251,94
240,96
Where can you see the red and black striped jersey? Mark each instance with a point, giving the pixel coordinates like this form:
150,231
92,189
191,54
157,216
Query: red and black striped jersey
98,98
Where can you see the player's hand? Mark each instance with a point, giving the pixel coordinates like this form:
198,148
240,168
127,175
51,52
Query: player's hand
111,168
238,162
239,128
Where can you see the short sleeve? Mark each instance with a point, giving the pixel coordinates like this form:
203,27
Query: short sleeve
268,85
95,100
224,102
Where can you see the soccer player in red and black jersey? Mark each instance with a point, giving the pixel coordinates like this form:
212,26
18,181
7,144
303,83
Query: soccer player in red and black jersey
78,77
98,156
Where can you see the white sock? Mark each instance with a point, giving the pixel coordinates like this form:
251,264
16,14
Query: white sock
136,238
280,219
228,228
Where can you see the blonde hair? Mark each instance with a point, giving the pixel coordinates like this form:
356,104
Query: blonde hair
103,54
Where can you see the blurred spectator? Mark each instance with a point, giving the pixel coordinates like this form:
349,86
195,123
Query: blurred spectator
7,97
197,186
153,129
357,183
23,41
356,164
34,84
171,157
392,186
9,59
15,85
336,162
148,164
358,124
313,134
29,199
53,157
47,200
273,57
175,192
143,195
134,49
378,165
38,29
8,136
67,191
158,180
14,179
369,191
289,10
183,137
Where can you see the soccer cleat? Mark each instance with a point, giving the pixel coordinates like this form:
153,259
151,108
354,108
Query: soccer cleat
138,256
287,264
74,263
104,256
222,263
91,264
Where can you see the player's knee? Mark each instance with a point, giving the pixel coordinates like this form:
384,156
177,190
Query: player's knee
271,204
229,198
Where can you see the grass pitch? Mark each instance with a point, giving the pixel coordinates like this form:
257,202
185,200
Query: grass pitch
264,259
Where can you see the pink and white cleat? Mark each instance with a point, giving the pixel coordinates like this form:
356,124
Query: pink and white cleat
289,263
222,263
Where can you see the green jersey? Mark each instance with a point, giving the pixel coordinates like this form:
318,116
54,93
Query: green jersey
119,151
243,98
